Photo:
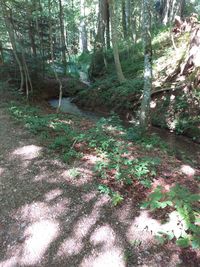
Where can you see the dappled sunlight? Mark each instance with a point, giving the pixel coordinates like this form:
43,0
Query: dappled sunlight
87,197
71,246
112,258
40,210
152,104
83,226
1,170
175,224
91,159
143,229
188,170
27,152
74,243
103,235
53,194
39,237
32,244
85,176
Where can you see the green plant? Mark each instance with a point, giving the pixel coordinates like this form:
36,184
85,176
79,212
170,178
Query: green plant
185,203
116,198
74,173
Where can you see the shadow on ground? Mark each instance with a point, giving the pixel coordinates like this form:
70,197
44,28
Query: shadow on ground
52,217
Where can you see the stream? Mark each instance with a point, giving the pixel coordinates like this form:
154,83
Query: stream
183,147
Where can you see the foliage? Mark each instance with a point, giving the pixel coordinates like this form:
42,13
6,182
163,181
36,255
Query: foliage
116,198
186,204
63,135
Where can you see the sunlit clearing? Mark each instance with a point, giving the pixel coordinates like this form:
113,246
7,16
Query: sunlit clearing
39,237
187,170
27,152
53,194
112,258
143,229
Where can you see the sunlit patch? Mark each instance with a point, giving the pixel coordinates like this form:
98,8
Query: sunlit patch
85,224
27,152
92,159
172,97
112,258
40,210
1,171
89,196
86,176
39,237
11,262
143,229
53,194
71,246
175,224
152,104
103,235
187,170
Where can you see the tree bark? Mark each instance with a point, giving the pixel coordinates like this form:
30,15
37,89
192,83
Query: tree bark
145,105
12,40
52,57
62,32
83,39
118,67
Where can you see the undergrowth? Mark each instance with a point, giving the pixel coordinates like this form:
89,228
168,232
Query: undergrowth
113,144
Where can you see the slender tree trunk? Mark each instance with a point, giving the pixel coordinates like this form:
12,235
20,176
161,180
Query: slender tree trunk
1,54
52,57
124,19
63,38
107,22
12,40
145,105
120,74
83,39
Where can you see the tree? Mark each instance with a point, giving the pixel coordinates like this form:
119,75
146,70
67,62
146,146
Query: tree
63,38
112,8
145,105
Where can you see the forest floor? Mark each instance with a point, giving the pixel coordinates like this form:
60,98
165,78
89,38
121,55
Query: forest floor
50,217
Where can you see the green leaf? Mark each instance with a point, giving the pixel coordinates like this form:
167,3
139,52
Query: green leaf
195,242
183,242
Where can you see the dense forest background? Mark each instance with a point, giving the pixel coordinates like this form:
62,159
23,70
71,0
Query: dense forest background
113,43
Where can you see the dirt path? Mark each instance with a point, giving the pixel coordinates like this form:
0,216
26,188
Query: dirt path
50,218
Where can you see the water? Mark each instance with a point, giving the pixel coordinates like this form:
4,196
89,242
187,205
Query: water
184,148
69,107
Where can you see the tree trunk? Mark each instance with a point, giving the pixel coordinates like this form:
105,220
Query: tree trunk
83,40
124,19
120,74
12,40
1,54
52,57
145,105
62,32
